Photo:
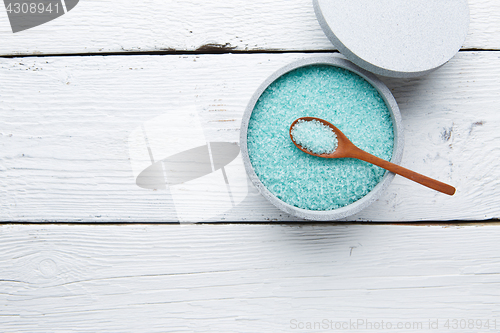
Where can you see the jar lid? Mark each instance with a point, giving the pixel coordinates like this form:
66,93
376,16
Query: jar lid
395,38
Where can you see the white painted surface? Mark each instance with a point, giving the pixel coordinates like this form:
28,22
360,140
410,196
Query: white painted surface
244,278
67,122
157,25
65,128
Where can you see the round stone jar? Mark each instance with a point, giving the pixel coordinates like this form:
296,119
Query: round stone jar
338,91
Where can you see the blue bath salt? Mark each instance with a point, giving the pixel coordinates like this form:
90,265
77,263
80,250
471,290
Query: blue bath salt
338,96
314,136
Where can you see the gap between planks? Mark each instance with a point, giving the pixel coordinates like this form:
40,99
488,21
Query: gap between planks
210,51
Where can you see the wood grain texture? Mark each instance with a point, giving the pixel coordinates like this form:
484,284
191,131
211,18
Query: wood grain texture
158,25
243,278
66,152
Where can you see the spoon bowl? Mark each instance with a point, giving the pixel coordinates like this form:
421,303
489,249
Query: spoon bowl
346,149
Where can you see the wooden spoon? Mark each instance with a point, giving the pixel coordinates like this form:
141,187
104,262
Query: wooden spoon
346,148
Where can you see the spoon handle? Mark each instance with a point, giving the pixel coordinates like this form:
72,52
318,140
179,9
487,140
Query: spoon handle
416,177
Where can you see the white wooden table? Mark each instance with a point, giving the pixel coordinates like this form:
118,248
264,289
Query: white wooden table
83,101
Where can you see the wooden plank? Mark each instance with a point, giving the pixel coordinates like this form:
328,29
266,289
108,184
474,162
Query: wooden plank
75,134
245,278
159,25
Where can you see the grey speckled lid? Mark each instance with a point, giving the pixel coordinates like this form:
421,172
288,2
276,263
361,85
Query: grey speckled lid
397,38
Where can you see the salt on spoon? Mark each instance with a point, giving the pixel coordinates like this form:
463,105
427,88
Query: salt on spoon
312,136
